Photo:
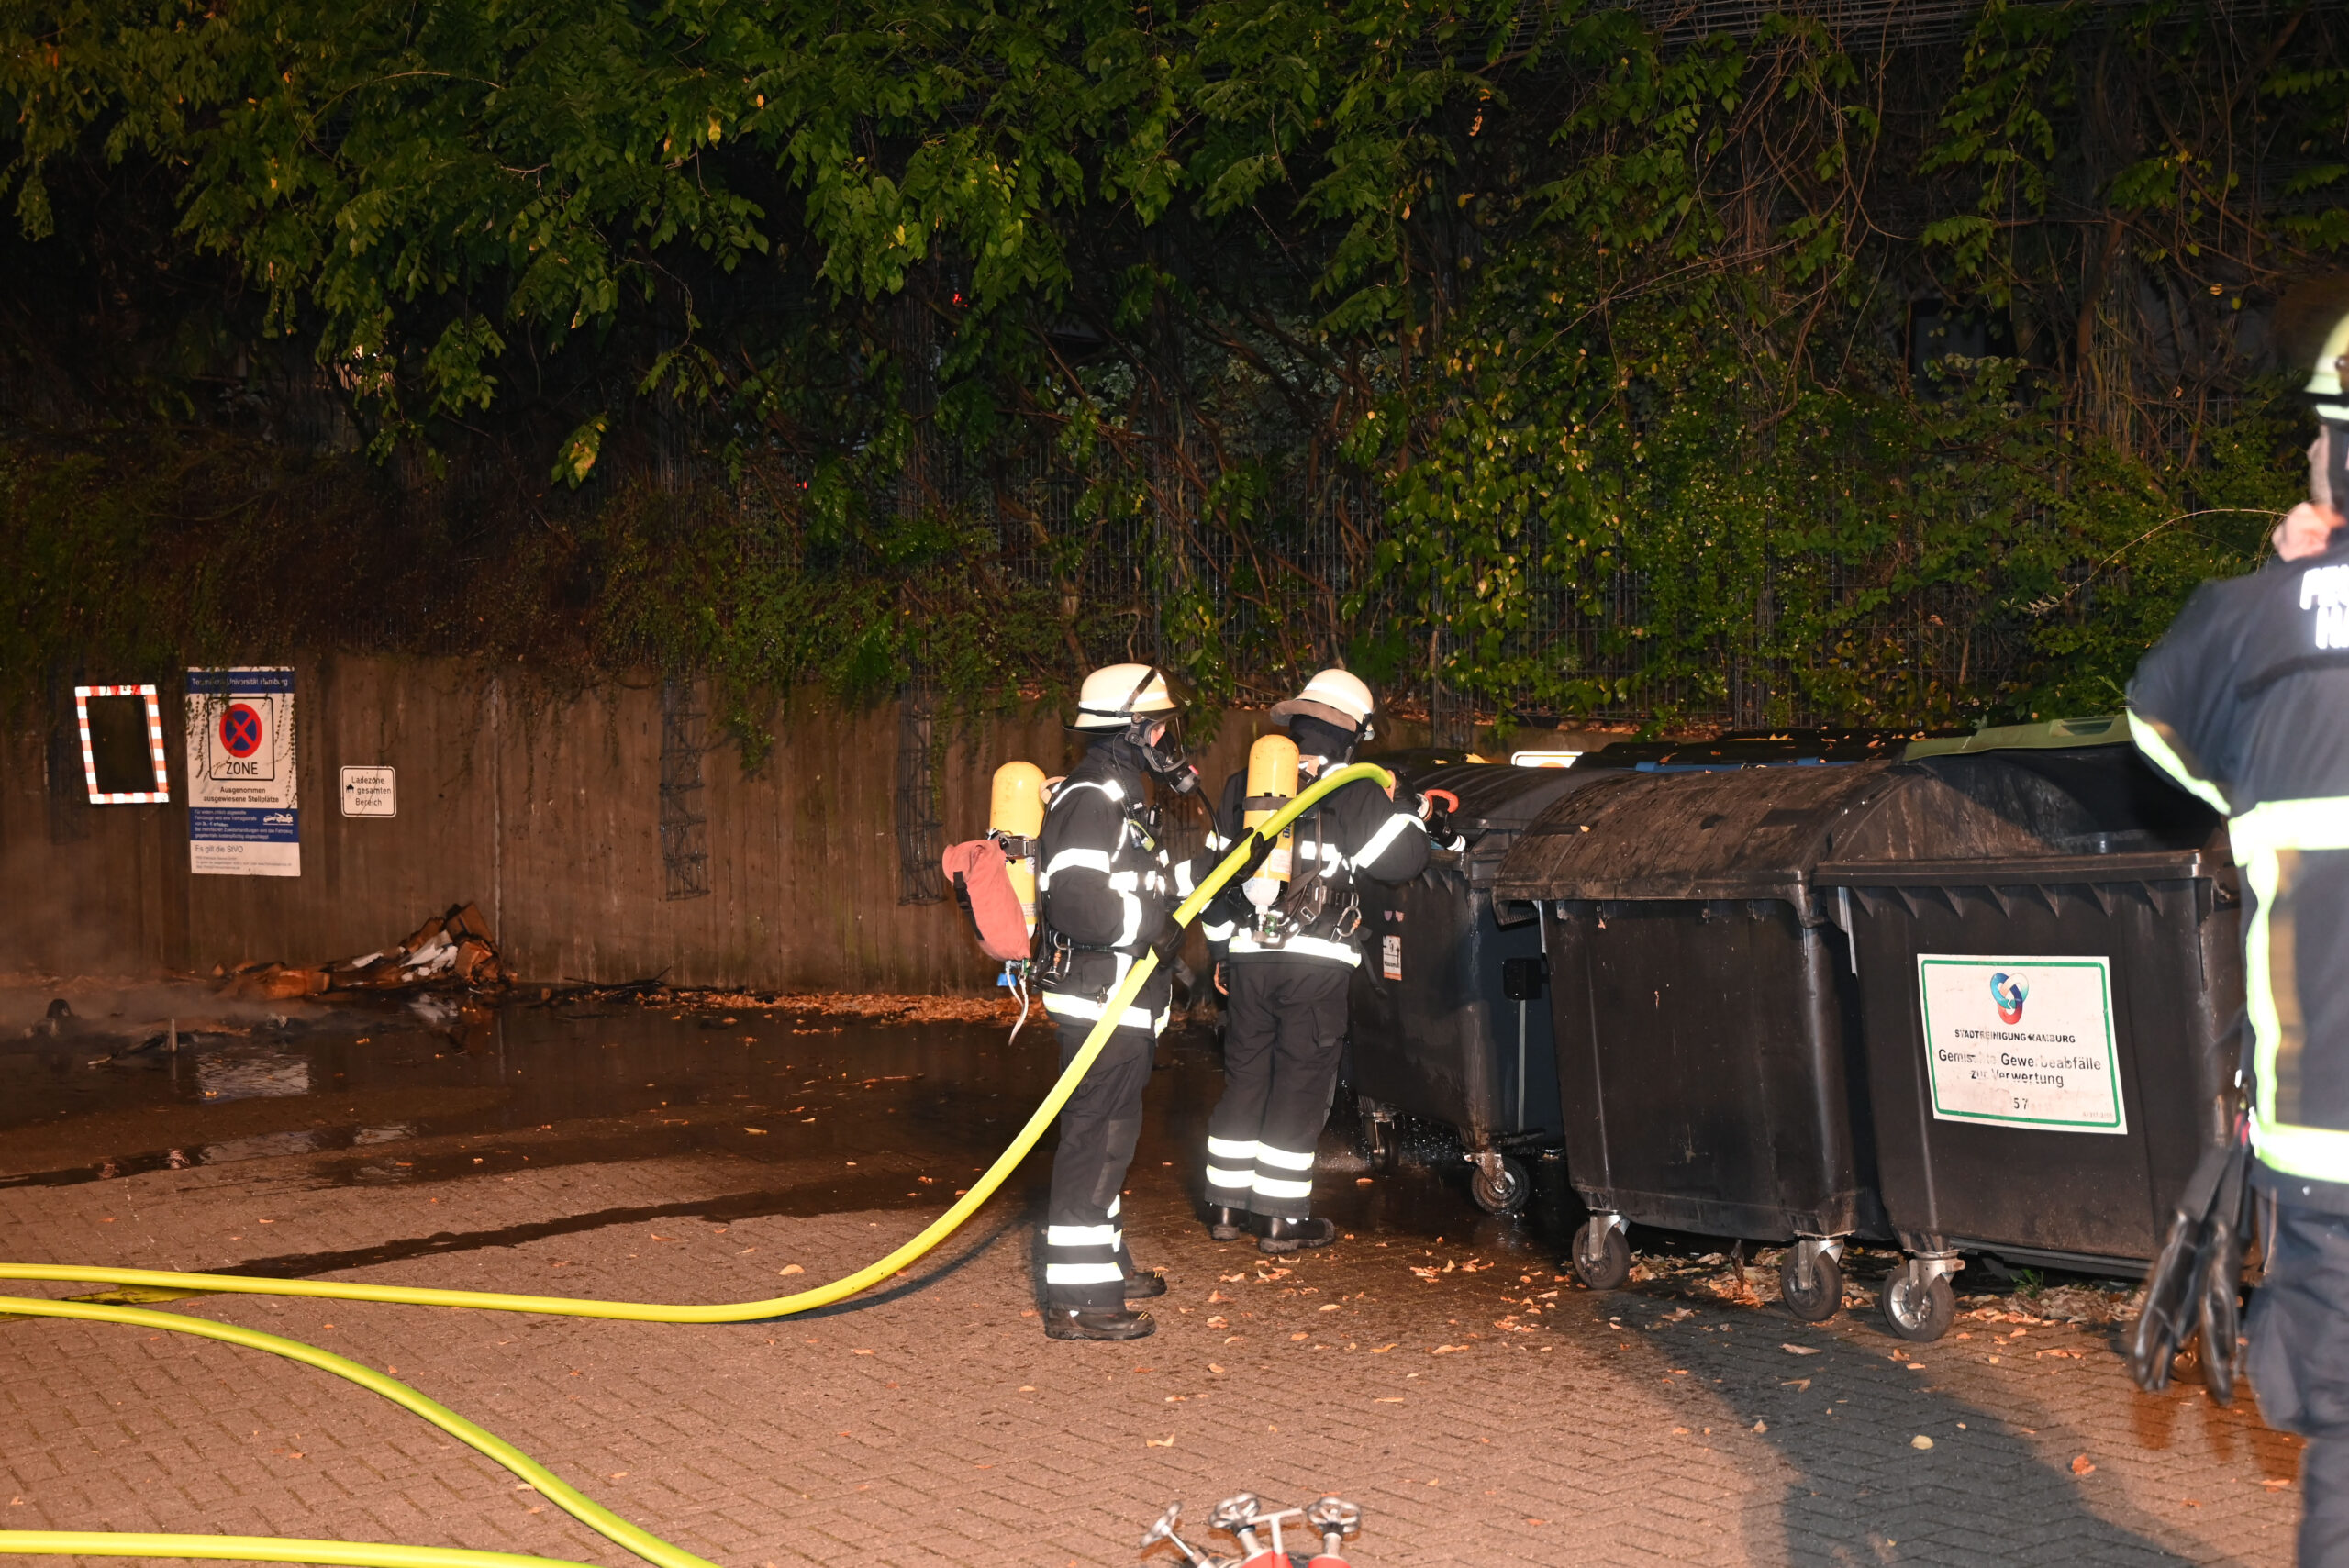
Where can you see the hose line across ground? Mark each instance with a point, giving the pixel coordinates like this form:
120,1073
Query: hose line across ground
651,1548
548,1484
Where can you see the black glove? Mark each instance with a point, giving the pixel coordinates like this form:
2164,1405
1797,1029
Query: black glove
1259,849
1167,944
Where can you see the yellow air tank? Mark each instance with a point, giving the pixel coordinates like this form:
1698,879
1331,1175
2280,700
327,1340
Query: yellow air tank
1016,814
1271,781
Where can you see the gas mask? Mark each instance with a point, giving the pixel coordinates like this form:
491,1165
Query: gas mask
1163,757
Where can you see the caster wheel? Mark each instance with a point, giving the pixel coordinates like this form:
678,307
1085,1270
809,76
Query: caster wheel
1602,1257
1825,1297
1376,1135
1916,1306
1501,1192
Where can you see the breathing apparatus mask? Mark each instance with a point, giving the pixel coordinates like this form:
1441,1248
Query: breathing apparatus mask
1163,756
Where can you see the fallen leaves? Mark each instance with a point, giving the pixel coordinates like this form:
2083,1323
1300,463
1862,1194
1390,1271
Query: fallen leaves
1801,1349
1920,1442
2083,1465
1167,1441
1446,1349
791,1269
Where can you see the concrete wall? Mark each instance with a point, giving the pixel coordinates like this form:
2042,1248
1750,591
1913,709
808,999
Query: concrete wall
544,809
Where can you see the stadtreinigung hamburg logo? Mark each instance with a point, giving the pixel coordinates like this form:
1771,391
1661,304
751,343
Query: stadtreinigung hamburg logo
2008,991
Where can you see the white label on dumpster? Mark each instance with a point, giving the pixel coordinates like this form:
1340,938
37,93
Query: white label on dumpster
2022,1041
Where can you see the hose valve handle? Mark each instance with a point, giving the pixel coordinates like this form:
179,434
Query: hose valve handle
1336,1518
1164,1530
1237,1514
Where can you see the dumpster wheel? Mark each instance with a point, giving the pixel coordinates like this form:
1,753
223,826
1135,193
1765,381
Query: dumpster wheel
1823,1295
1499,1183
1602,1257
1918,1301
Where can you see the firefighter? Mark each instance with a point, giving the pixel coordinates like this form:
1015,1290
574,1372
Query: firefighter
1108,891
1286,967
2245,703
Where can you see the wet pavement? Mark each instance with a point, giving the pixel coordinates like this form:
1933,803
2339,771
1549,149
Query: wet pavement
1435,1364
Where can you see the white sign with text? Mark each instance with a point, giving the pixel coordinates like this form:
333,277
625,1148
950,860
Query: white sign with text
2022,1041
371,792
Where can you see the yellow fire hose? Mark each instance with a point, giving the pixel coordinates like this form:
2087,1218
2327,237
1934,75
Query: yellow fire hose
651,1548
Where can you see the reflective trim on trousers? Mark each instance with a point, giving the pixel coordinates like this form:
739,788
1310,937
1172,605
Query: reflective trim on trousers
1080,1236
2262,837
1284,1158
1238,1180
1245,941
1272,1187
1086,1009
1232,1148
1083,1273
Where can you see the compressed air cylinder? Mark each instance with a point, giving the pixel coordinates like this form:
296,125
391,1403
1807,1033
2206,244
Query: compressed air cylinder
1272,779
1015,811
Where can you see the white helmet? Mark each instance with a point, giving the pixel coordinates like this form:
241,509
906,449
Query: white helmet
1117,695
2310,328
1334,696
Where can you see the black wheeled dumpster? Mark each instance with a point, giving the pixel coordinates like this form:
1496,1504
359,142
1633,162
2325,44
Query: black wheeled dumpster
1705,1012
2045,939
1449,1022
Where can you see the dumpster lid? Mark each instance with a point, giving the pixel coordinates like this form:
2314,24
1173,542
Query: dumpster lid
1747,833
1754,749
2035,814
2105,729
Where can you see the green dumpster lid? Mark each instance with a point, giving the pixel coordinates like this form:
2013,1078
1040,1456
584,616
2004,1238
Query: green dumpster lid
2107,730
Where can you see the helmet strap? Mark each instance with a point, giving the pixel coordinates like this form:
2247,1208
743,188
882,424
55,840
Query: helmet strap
2337,463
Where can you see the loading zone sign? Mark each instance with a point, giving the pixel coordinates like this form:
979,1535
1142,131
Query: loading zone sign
243,818
2022,1041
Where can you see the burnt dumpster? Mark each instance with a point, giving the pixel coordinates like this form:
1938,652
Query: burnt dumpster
1449,1020
1705,1013
2044,940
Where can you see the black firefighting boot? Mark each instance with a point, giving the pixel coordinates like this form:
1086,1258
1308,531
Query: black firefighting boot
1282,1234
1088,1323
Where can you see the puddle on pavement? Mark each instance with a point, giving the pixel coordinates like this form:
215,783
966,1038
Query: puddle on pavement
381,1095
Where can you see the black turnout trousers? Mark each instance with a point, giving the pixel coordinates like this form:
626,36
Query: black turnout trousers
1085,1260
2300,1363
1285,1028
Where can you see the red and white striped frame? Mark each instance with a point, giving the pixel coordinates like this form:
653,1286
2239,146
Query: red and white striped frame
82,696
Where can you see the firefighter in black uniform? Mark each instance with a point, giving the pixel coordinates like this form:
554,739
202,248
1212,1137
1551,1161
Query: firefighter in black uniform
1107,890
2246,704
1287,969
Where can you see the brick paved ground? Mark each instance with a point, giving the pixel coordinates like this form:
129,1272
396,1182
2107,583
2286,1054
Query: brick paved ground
1476,1416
